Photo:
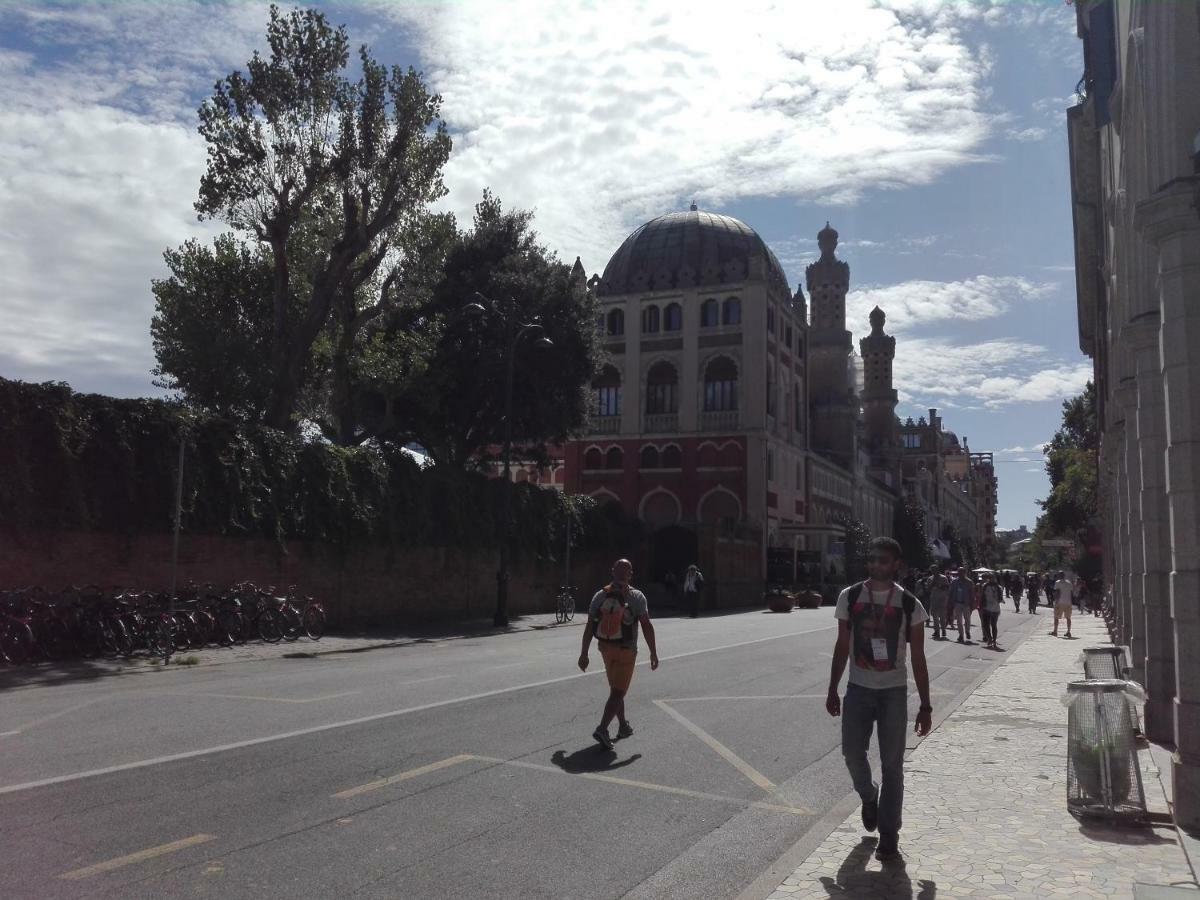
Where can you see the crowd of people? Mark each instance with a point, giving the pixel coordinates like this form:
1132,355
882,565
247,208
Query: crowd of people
953,595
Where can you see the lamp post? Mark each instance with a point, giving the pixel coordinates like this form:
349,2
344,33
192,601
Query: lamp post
513,332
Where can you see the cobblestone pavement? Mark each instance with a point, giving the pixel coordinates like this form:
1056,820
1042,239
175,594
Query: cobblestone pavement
985,804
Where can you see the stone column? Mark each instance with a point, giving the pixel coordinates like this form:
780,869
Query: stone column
1156,537
1131,489
1120,434
1172,223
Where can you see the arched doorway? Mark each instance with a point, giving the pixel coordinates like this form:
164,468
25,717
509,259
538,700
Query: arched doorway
672,549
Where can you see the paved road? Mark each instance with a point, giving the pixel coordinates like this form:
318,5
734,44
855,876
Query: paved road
449,769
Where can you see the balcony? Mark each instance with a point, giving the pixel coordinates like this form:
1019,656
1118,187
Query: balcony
656,423
604,425
719,420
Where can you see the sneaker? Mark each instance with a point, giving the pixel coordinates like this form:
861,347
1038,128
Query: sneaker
624,730
961,641
870,812
601,737
888,849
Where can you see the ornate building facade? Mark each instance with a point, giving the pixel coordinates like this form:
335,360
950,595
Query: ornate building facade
1134,142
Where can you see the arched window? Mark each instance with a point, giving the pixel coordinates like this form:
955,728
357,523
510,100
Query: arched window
649,457
720,385
650,320
616,323
593,459
614,459
607,392
710,314
662,389
731,311
671,458
673,317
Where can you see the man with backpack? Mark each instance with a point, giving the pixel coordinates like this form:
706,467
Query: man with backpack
878,621
614,615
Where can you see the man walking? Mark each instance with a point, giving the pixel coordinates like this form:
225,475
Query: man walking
878,621
613,618
989,610
939,598
962,601
693,583
1063,590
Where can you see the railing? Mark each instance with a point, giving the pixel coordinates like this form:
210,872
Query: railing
719,420
661,422
604,424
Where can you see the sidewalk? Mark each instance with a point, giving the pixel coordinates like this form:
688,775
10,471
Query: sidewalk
985,811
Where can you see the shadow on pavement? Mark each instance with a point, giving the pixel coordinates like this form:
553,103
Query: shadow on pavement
46,674
855,880
1132,836
591,759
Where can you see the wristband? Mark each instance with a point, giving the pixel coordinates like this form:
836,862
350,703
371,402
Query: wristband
927,709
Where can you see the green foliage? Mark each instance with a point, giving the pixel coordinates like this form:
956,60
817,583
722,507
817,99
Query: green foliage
858,536
80,462
909,528
1072,461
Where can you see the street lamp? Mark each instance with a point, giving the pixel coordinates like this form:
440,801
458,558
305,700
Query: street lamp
513,332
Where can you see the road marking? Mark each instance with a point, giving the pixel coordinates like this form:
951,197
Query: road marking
650,786
361,720
403,776
140,856
755,697
256,696
724,752
50,718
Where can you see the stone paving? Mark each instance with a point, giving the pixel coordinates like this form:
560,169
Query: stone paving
985,805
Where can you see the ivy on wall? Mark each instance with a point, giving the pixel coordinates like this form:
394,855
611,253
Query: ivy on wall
85,462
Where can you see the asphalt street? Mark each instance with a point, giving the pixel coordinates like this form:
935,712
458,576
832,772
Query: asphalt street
456,768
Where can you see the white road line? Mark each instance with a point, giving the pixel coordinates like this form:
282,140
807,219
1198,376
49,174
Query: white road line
403,776
50,718
140,856
650,786
255,696
361,720
721,750
755,697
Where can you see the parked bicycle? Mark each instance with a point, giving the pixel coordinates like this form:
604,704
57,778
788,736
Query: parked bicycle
564,604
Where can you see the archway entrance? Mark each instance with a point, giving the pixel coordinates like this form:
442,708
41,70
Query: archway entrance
672,549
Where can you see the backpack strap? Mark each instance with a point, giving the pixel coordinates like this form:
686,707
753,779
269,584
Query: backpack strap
907,600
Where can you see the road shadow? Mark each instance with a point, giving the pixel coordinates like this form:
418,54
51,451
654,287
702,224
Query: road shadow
593,760
1130,836
854,879
45,674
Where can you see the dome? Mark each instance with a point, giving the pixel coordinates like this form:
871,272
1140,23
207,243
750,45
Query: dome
689,249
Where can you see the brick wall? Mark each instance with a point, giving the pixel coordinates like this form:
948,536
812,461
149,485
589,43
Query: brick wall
362,586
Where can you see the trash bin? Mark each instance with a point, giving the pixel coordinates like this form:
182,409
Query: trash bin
1104,662
1103,776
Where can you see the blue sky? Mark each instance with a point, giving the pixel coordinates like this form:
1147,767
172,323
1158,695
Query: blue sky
931,134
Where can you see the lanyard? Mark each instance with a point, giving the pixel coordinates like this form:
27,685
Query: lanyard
878,616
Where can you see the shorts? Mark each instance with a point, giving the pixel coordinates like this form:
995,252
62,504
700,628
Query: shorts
618,665
1062,606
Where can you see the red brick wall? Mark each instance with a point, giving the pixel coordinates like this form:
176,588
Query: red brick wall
368,585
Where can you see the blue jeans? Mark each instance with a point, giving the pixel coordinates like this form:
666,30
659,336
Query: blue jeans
887,709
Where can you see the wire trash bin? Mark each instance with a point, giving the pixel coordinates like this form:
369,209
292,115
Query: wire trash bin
1104,662
1104,779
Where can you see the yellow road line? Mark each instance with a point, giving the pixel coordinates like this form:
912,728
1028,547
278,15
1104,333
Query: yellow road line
650,786
724,752
140,856
404,776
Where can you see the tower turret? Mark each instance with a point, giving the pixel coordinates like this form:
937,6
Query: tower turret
878,351
831,392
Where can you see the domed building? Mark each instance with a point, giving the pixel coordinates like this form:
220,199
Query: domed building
724,419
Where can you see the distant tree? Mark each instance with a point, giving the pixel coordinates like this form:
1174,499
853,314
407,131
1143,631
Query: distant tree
454,406
909,528
1071,464
294,144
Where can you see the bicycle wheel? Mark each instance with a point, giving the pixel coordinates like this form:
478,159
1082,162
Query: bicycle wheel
314,621
229,627
54,638
570,608
559,612
270,625
16,642
292,624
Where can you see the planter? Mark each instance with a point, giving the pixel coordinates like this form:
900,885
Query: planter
780,601
808,600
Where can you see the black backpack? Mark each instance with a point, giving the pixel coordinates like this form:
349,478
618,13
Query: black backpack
907,600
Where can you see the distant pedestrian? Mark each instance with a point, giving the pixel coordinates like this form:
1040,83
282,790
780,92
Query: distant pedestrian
1063,602
1048,588
1016,585
939,599
878,624
693,584
962,601
613,618
1033,588
989,610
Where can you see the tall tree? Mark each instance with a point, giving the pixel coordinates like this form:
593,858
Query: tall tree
295,140
1071,461
455,406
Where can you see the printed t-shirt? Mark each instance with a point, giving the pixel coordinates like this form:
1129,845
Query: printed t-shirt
634,608
878,647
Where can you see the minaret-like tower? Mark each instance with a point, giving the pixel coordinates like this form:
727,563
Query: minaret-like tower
878,350
834,407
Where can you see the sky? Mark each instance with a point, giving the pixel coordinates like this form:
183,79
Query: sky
931,134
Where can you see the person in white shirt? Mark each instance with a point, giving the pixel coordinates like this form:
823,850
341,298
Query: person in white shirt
1064,593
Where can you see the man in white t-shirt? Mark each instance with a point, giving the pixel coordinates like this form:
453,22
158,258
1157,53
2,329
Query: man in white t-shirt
1064,594
878,621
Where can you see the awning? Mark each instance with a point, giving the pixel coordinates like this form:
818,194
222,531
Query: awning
939,549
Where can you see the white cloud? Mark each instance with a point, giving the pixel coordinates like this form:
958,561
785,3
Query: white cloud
996,373
1027,135
917,303
601,120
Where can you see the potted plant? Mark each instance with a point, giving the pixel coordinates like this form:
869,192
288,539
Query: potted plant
779,600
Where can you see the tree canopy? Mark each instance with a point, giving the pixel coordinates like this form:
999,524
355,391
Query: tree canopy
1071,459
